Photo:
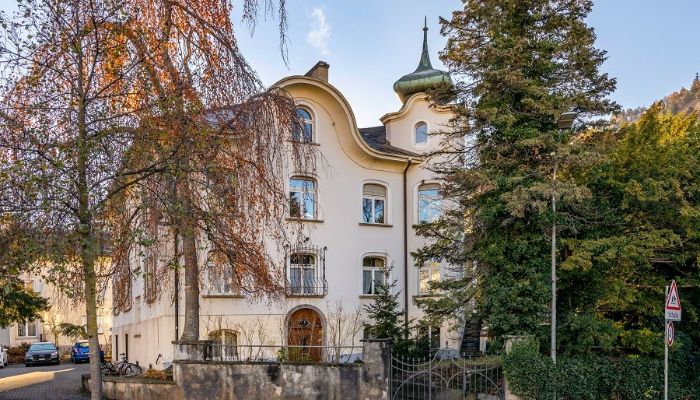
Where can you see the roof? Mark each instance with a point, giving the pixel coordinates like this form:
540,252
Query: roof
375,137
425,77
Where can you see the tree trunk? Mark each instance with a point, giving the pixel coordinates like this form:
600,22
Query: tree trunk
189,249
86,231
91,313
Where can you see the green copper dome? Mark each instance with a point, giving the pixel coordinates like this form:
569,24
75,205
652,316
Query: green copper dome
425,77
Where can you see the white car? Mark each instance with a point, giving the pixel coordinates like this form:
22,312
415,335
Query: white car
3,357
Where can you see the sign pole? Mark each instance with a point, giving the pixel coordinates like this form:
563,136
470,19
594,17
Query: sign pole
666,353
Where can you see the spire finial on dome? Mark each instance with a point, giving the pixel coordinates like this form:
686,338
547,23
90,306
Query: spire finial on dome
425,63
425,77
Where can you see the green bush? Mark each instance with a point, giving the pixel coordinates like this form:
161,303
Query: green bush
532,375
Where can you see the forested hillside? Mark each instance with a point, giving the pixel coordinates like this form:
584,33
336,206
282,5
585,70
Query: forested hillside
682,101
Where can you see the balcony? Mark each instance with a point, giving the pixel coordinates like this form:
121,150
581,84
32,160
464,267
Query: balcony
305,272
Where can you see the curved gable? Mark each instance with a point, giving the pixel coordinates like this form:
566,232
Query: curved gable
343,121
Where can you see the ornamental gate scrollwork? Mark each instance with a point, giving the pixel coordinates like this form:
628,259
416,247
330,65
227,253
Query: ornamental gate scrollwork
446,376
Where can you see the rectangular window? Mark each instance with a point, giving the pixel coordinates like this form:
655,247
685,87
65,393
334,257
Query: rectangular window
220,280
429,272
432,334
302,274
302,198
373,201
373,275
429,203
27,329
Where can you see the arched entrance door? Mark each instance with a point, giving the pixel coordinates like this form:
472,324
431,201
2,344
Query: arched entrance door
304,329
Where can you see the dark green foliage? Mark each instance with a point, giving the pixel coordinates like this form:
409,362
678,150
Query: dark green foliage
72,331
521,64
386,321
18,304
642,229
532,376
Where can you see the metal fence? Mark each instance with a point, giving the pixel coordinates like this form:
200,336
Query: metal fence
282,354
446,376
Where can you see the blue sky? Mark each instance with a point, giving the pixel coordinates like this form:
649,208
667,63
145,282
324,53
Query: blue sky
653,46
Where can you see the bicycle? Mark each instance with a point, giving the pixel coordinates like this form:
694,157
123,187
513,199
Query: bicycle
122,368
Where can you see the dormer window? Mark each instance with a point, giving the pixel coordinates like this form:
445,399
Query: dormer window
304,126
421,133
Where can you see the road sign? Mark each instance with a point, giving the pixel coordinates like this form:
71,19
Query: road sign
670,333
673,304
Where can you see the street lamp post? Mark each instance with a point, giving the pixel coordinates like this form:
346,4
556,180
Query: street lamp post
564,122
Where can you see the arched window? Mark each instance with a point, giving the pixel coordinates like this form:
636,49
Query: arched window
303,274
304,127
373,204
373,274
421,133
429,202
226,348
302,198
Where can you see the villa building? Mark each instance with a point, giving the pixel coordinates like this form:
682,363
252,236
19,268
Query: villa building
357,214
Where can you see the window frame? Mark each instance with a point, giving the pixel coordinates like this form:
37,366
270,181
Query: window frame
310,122
304,191
24,333
424,143
373,270
304,289
431,267
210,265
434,205
374,199
227,351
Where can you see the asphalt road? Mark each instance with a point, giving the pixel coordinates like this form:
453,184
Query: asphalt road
51,382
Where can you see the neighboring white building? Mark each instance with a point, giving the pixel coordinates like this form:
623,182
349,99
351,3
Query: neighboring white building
358,219
61,310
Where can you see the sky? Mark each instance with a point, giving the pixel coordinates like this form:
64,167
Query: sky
653,45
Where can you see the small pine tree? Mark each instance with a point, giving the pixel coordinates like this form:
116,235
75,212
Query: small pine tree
385,313
386,321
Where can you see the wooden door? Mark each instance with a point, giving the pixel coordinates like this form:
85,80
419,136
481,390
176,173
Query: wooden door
304,329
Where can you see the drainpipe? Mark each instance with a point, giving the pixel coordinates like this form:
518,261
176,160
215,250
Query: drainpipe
177,290
405,250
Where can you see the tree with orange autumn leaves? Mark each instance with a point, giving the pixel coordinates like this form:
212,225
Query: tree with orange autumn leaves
136,126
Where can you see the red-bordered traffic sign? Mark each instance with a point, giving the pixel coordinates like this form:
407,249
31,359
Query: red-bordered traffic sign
670,333
673,304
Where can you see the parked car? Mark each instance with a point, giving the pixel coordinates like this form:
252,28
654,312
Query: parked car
80,352
447,354
41,353
3,357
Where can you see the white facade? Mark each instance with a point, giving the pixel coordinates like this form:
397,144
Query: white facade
357,169
61,310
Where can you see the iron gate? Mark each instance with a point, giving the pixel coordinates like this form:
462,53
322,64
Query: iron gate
446,376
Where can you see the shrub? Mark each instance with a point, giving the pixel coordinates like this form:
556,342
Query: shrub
533,376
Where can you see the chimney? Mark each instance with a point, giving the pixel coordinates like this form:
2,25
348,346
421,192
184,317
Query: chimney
319,71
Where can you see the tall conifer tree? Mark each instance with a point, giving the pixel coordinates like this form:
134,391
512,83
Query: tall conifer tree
521,64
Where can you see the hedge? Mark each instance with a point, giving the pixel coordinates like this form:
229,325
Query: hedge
532,375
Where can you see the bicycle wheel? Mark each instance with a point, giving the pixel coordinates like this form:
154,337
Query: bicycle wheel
131,370
107,370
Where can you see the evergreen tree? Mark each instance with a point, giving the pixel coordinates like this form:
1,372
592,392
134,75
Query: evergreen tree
386,321
645,206
385,313
521,64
